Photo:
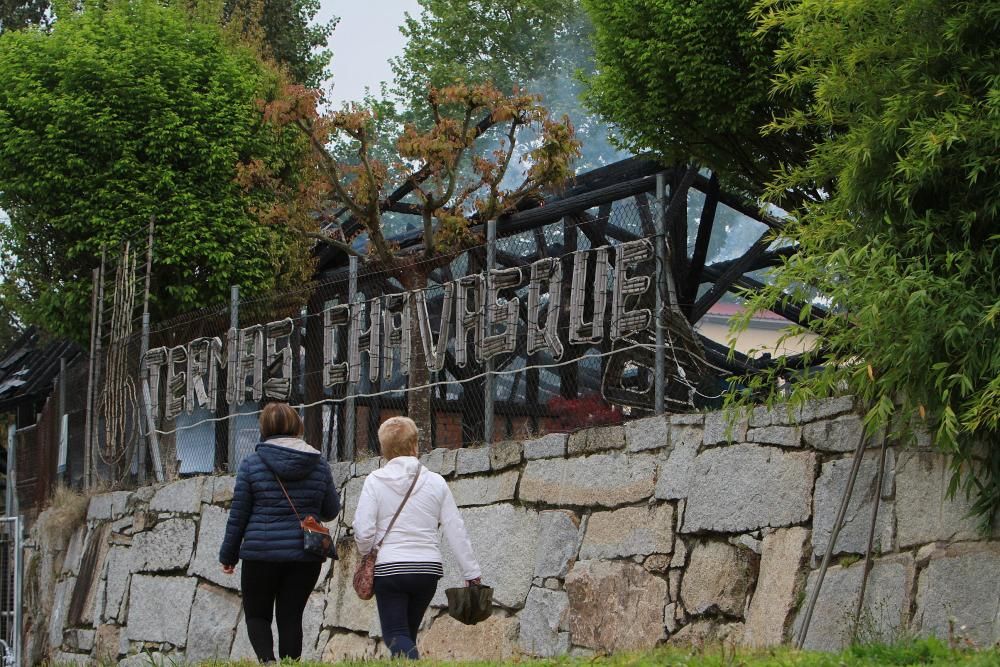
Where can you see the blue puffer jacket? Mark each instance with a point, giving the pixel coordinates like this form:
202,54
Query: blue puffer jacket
262,525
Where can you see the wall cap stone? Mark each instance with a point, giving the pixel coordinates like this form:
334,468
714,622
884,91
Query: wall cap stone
548,446
472,460
505,454
598,439
647,434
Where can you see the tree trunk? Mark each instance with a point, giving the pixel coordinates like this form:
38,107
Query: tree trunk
314,389
419,401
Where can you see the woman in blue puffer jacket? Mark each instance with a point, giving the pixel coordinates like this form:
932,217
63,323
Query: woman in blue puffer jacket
264,531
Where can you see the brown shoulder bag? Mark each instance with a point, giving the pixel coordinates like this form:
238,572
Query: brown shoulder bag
316,538
364,575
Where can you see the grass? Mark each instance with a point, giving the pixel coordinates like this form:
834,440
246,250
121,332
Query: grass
848,560
923,653
66,511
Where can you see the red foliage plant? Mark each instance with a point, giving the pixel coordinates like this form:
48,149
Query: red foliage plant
573,414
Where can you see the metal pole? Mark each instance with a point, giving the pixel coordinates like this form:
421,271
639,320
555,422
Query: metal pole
489,388
11,490
63,423
88,414
300,358
234,325
349,413
662,271
871,533
140,456
95,420
154,439
18,590
144,348
332,424
834,534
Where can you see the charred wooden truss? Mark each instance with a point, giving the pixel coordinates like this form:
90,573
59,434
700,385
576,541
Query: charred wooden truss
584,214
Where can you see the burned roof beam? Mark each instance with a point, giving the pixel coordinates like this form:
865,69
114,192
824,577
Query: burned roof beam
725,280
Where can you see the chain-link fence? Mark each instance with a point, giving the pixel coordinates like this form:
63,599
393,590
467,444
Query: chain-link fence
542,375
551,328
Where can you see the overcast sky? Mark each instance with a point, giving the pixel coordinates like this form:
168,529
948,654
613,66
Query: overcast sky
364,40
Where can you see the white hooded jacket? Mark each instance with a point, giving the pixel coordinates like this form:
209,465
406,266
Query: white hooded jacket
414,538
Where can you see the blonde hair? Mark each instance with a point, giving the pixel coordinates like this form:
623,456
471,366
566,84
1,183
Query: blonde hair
280,419
398,437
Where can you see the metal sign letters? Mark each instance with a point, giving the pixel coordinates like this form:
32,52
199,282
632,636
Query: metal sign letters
257,360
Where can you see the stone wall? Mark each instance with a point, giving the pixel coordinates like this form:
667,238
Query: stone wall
680,529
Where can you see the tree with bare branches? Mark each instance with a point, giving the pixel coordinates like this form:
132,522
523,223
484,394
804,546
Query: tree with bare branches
454,174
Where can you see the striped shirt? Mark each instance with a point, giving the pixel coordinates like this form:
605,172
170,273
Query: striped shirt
390,569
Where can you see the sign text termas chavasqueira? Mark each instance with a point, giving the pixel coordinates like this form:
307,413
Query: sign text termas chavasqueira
258,360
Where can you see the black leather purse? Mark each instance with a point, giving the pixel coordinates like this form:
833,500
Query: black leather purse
470,604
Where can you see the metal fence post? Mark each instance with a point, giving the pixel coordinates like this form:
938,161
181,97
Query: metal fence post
153,438
144,424
63,461
94,434
18,590
300,359
234,324
350,415
11,487
489,387
88,414
659,378
140,455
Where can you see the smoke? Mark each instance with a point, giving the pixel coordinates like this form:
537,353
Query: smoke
562,87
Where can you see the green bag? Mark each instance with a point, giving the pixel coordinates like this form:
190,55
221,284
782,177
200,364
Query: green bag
470,604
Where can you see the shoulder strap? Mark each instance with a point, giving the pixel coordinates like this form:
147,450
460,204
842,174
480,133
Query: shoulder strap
400,509
287,497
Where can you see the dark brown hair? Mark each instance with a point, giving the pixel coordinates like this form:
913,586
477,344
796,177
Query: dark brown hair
278,419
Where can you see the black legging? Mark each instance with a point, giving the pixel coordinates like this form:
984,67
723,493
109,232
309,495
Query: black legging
280,589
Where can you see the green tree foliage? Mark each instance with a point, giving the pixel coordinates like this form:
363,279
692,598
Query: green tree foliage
537,45
127,111
905,245
284,28
17,14
506,44
287,34
9,328
690,80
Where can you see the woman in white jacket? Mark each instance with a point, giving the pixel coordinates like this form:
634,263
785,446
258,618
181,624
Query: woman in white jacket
409,563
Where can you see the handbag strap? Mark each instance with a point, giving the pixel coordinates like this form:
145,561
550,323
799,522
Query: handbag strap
400,509
336,535
287,497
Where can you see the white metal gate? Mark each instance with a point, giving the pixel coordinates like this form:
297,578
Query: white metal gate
10,589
